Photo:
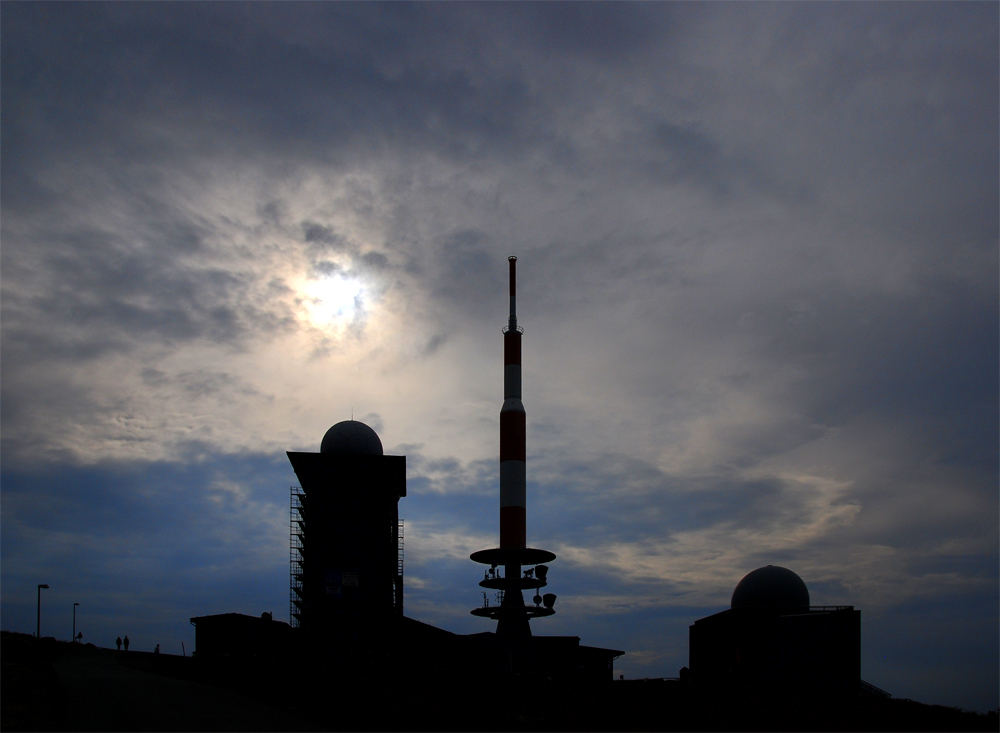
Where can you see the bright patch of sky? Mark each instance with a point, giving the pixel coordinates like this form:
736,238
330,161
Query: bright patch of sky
329,300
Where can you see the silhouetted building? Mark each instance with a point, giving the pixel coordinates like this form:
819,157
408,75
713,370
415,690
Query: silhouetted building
772,638
347,568
347,573
237,635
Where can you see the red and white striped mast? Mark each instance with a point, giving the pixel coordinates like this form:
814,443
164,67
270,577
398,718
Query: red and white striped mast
512,429
508,604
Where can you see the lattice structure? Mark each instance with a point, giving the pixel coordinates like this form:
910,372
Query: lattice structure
398,586
296,554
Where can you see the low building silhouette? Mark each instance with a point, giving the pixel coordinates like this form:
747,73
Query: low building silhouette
238,635
772,638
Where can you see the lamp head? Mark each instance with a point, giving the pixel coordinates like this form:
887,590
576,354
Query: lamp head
43,585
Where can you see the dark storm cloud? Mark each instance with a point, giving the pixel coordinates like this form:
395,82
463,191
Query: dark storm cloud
98,72
602,32
649,503
111,292
927,362
316,83
319,235
923,356
448,476
374,261
673,154
468,260
312,80
202,383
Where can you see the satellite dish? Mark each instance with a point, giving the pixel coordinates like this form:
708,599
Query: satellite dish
549,600
537,599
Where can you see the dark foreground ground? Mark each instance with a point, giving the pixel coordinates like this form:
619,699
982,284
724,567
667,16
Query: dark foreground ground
48,685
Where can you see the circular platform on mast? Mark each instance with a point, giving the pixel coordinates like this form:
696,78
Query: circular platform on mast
497,611
513,556
504,583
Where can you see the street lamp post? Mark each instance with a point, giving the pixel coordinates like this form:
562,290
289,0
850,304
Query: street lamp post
38,621
73,638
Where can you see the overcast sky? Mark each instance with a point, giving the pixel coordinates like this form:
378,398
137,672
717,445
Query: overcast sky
758,272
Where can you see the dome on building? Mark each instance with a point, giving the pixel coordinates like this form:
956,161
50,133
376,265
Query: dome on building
771,586
351,437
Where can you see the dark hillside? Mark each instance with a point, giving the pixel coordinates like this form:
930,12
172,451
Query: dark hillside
42,690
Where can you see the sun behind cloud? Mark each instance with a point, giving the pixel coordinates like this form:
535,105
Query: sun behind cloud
331,301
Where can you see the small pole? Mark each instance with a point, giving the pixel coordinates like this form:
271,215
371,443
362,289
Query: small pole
73,638
183,650
38,620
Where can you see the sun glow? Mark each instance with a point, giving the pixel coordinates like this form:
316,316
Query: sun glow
332,299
